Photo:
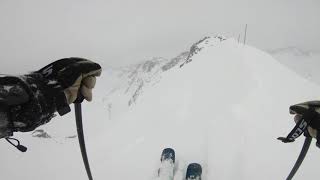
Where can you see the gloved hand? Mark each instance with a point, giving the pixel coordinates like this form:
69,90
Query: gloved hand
312,132
310,112
74,75
32,99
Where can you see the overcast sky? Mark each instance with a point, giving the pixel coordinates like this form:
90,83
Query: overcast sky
118,32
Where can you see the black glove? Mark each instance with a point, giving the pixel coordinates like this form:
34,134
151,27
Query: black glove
74,75
307,119
31,100
310,112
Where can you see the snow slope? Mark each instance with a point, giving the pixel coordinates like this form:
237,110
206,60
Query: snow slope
223,109
305,63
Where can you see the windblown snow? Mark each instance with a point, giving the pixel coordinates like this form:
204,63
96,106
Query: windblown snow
222,104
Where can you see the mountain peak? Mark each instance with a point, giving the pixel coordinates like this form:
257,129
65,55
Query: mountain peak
130,81
208,41
201,44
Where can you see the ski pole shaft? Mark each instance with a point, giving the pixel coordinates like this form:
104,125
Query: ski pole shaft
77,107
301,157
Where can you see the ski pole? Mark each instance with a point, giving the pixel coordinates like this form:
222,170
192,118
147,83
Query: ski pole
78,113
301,157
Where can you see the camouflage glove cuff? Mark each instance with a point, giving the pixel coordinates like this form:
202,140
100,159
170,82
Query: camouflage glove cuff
28,100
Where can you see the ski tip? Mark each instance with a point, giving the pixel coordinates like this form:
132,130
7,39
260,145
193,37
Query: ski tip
194,171
168,153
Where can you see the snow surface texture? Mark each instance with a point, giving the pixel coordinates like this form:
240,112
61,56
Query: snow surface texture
224,110
166,170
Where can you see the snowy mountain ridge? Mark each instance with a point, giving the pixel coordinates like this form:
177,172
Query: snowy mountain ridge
203,43
303,62
130,81
292,50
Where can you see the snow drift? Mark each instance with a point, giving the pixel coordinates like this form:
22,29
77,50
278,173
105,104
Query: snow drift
222,104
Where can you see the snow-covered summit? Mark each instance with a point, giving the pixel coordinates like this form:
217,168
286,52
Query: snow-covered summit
127,83
201,44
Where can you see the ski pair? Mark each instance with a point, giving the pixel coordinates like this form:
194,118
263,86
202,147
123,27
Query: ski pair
165,172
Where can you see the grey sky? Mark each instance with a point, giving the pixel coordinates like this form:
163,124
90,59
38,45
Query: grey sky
36,32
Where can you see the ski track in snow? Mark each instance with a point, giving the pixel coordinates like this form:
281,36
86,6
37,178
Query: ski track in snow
224,110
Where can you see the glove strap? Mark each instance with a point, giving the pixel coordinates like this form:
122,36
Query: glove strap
298,129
